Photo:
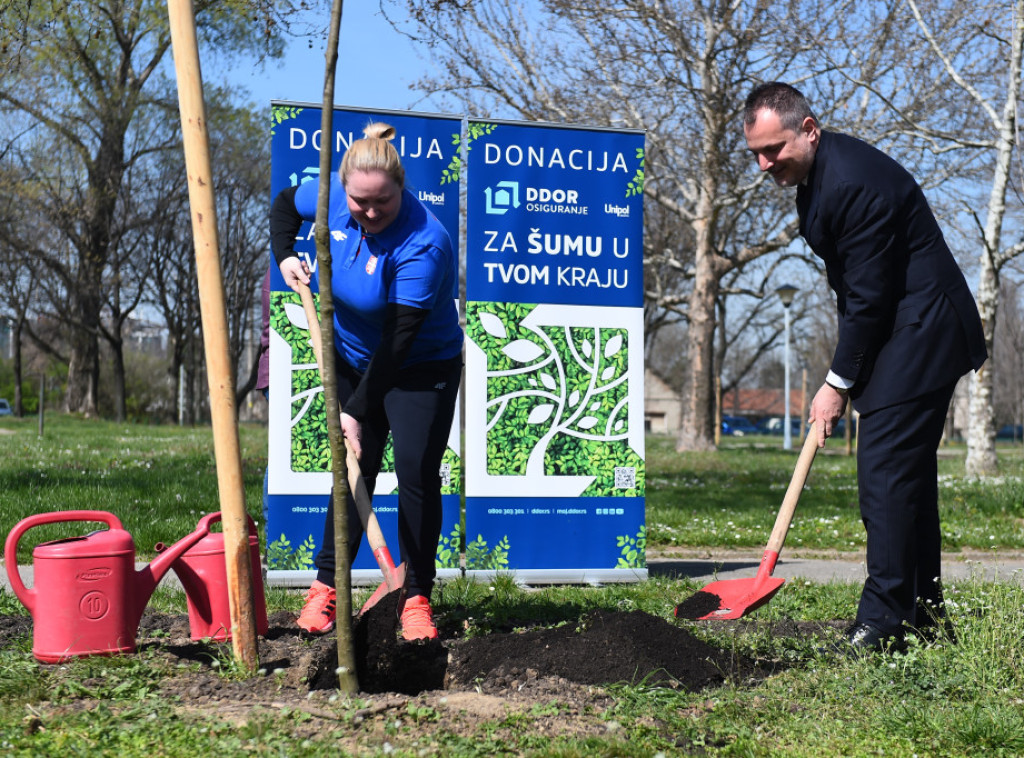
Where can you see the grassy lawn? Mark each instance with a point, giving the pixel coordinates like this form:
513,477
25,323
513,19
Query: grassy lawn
936,701
729,498
158,480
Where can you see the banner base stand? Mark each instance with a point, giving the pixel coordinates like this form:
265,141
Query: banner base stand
593,577
360,577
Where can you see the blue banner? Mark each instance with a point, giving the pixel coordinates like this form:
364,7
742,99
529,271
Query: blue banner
299,461
554,358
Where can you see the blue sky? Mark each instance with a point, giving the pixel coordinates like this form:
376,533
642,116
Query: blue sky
376,65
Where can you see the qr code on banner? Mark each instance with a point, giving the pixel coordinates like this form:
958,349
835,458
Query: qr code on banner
446,475
625,477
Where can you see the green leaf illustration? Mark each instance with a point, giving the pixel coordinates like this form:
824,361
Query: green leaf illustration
281,113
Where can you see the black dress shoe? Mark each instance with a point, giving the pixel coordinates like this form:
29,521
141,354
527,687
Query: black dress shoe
862,638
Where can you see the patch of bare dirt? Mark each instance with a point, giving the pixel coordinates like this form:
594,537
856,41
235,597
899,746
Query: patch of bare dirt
469,680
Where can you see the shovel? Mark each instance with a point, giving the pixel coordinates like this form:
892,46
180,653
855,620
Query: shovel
394,576
735,598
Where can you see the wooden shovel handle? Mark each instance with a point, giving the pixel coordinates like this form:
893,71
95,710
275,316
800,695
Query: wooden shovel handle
796,485
313,318
356,483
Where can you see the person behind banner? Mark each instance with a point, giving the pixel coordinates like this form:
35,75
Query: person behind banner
398,350
263,374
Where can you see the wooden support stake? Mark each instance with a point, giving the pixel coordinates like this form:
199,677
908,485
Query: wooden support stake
215,331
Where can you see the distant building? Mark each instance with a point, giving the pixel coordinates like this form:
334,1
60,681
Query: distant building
662,405
758,404
145,336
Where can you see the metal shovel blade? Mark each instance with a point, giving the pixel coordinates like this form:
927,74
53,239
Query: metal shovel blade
738,597
395,579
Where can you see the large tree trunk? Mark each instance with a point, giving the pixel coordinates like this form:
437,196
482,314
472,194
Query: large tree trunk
83,372
105,175
697,425
84,360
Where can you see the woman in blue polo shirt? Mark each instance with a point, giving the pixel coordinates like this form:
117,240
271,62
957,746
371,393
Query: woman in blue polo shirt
399,352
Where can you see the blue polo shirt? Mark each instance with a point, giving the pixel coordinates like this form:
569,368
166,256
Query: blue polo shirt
409,263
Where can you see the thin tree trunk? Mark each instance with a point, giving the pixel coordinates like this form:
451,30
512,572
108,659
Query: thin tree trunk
347,678
19,403
981,442
981,438
120,390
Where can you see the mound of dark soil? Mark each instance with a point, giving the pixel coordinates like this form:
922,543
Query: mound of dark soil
384,663
699,604
605,647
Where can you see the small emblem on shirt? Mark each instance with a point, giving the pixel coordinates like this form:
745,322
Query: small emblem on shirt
371,265
339,236
440,385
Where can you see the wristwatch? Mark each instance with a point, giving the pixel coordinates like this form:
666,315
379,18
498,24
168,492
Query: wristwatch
844,391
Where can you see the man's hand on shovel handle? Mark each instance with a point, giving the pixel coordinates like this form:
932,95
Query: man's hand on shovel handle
826,409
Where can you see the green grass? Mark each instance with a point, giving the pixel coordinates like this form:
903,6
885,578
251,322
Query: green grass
158,480
729,498
938,701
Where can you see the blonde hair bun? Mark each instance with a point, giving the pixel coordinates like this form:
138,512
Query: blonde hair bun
379,130
374,152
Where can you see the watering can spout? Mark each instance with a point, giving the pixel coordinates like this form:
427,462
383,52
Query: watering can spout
202,571
149,576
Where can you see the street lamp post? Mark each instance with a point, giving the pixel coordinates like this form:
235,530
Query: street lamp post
786,294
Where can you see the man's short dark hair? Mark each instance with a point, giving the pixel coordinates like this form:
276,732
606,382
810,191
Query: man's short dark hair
783,99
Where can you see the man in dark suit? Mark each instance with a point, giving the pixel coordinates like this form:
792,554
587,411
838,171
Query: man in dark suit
908,330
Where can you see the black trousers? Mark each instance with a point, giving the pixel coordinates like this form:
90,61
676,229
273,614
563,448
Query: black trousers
418,413
897,478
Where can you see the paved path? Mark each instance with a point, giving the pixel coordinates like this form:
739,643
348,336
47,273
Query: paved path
711,565
707,566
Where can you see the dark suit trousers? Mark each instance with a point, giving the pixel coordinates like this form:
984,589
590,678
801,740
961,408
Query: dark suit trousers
897,477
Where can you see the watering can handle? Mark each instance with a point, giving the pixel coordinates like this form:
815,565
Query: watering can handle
207,521
25,595
212,518
203,528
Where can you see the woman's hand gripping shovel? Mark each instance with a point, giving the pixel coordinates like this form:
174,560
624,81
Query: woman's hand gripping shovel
394,576
734,598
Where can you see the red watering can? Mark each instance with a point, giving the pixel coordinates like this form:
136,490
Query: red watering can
203,573
87,598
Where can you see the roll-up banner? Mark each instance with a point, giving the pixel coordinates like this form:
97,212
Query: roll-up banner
554,421
299,461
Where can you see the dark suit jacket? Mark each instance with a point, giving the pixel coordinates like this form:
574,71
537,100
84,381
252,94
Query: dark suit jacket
908,323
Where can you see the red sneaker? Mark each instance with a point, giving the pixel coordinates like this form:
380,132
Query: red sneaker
418,619
318,613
